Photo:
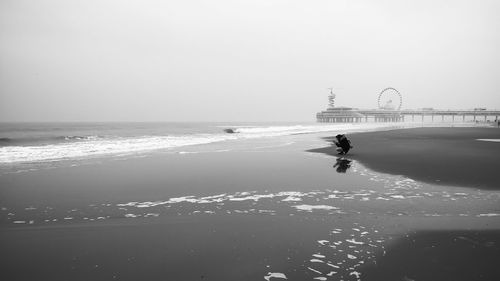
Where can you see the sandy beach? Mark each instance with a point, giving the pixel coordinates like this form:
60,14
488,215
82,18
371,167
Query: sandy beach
444,156
267,210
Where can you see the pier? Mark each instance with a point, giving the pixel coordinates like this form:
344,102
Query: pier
389,112
376,115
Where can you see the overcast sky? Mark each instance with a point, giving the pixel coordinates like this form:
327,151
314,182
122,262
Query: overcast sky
230,60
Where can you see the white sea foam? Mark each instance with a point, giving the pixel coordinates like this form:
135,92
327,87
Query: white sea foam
355,273
92,148
352,241
310,208
252,197
274,275
492,140
351,257
239,196
291,198
332,265
489,215
314,270
297,129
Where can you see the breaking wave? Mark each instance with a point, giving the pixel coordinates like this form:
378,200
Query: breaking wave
77,138
98,147
290,130
74,147
7,141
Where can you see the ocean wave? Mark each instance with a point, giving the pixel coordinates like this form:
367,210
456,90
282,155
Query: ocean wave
15,141
77,138
74,147
100,147
300,129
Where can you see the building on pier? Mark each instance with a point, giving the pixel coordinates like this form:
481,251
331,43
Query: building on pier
341,114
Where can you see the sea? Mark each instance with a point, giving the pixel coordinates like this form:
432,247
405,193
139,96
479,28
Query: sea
48,142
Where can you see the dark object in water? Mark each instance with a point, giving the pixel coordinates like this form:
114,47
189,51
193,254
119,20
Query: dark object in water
230,131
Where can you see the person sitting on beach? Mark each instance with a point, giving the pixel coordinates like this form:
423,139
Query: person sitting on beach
342,143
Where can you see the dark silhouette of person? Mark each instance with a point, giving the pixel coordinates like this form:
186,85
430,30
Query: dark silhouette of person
342,165
342,143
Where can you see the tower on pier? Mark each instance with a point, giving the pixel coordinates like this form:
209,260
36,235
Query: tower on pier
339,114
331,99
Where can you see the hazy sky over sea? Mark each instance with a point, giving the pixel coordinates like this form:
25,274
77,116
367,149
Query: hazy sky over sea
230,60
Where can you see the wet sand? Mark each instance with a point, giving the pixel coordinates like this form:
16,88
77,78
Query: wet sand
256,212
440,156
440,255
444,156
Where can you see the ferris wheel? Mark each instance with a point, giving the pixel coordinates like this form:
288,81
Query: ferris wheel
390,99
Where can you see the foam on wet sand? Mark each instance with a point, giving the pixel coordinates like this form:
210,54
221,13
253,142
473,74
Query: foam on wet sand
277,275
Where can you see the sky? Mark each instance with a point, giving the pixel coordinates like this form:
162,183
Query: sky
232,60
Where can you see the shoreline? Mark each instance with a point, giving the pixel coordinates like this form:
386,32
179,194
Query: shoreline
263,207
442,156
